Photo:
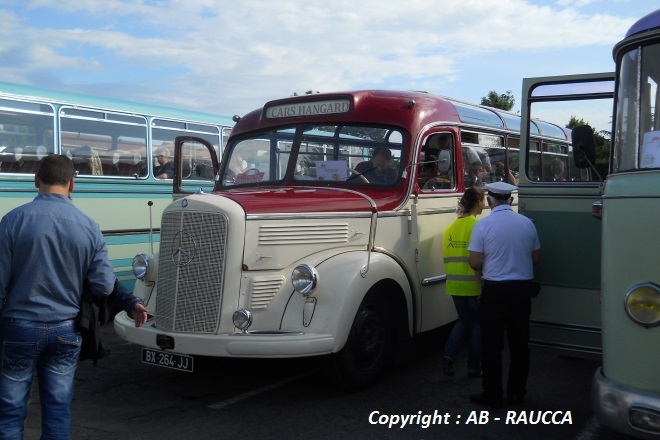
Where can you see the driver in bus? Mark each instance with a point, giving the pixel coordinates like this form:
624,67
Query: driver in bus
377,170
165,168
237,165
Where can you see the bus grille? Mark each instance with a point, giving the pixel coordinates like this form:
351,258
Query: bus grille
297,234
191,271
263,291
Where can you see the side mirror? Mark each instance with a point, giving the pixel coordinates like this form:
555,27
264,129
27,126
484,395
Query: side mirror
444,161
584,146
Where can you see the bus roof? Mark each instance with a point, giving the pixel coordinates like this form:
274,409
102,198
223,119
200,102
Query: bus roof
646,23
387,107
61,97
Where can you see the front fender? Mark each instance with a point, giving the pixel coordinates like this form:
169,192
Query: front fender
341,289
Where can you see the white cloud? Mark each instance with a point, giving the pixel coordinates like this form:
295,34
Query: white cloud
226,57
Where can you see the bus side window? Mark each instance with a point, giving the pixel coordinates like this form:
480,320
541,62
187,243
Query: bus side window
436,164
195,161
96,146
534,163
26,135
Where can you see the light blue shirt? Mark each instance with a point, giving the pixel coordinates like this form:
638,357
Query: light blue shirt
506,239
47,248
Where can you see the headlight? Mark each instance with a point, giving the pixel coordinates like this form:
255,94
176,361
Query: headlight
643,304
140,266
242,319
304,279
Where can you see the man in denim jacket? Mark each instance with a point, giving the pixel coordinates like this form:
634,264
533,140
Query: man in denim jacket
47,249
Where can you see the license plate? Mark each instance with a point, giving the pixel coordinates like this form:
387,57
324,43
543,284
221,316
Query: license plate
181,362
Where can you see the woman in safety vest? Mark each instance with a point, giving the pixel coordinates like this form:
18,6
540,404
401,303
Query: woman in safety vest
463,284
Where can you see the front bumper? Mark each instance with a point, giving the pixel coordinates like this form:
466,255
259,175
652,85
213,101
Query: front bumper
631,411
274,344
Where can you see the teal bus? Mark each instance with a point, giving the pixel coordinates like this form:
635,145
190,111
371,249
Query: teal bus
113,145
600,280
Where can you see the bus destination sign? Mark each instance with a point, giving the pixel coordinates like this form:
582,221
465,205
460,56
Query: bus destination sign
308,108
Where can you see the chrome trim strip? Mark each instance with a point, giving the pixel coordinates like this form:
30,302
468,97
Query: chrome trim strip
434,280
328,215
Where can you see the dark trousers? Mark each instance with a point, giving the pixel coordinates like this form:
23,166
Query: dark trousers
505,307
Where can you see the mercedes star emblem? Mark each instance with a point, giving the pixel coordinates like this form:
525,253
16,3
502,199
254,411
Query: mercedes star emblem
183,248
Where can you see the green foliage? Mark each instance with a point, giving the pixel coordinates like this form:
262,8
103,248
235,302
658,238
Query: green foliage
308,92
505,101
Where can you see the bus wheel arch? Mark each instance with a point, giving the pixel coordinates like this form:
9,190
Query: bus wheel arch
374,339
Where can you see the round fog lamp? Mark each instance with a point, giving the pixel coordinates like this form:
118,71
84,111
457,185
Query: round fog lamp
242,319
140,266
304,279
643,304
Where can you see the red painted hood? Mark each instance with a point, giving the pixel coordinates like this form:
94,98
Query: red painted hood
293,200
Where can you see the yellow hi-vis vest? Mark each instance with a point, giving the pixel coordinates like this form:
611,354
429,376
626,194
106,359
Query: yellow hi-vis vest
461,280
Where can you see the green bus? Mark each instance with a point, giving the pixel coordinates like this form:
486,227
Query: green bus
600,282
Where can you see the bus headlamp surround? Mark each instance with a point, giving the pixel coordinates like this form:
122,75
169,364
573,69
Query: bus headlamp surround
642,304
242,319
304,279
140,266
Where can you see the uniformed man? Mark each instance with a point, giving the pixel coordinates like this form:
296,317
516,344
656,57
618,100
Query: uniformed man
504,247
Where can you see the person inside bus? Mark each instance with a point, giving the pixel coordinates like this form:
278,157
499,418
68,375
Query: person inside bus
165,168
237,165
557,170
476,176
377,170
502,175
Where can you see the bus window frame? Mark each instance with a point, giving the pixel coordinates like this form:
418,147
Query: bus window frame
88,152
20,153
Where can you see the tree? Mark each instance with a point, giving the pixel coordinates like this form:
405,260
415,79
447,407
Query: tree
505,101
602,139
308,92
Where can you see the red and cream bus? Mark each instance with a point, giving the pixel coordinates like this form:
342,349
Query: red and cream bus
303,248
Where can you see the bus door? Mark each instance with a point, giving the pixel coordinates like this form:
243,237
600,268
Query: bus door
435,174
558,196
194,158
195,165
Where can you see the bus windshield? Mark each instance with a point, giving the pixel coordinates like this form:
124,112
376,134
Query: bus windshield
342,154
637,141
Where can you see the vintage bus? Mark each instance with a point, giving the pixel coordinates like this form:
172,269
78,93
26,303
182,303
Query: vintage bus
601,283
303,249
113,145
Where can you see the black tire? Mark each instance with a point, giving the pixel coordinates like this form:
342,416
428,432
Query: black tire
363,358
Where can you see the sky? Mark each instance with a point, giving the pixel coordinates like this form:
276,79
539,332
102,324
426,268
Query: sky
230,57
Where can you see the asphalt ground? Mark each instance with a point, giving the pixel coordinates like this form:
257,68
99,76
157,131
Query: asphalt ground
294,399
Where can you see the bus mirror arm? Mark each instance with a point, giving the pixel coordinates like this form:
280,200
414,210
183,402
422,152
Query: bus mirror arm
600,179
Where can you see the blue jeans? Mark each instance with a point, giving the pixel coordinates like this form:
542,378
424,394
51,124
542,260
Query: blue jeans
51,349
468,326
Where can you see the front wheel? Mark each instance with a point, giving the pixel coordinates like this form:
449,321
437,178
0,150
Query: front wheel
363,358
